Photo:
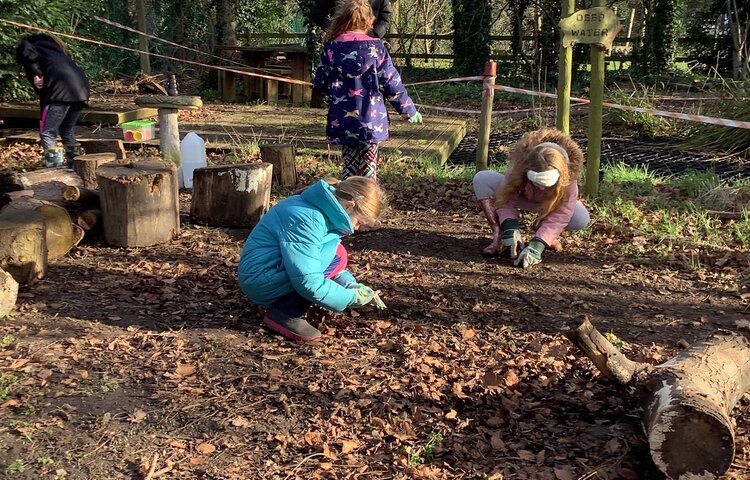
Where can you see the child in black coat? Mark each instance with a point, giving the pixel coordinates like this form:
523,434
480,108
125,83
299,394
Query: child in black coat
63,92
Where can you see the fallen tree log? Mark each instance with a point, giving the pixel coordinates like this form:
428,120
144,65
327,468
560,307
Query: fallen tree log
90,221
23,245
61,234
8,293
686,402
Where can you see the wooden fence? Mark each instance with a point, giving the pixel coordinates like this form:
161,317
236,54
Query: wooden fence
405,45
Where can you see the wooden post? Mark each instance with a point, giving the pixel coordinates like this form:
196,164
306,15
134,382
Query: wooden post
594,148
85,166
23,245
231,195
565,76
485,119
169,135
140,10
282,156
139,202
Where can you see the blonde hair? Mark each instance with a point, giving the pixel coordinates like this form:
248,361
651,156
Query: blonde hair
527,156
350,15
368,197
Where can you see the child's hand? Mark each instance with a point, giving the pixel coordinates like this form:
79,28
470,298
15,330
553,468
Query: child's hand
531,255
512,236
364,295
39,81
416,118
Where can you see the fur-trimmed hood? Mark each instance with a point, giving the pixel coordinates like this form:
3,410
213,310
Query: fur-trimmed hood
531,139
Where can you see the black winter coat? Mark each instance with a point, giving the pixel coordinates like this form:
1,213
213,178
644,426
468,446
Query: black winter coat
322,11
64,81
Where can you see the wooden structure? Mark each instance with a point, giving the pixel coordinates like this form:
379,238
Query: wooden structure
31,112
283,158
139,202
23,245
685,402
61,234
85,166
103,145
231,195
256,58
169,132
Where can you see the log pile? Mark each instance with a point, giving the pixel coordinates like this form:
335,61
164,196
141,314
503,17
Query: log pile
686,402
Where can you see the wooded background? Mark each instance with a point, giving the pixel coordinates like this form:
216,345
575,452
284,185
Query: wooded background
708,37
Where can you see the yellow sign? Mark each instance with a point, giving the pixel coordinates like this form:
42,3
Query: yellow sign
597,25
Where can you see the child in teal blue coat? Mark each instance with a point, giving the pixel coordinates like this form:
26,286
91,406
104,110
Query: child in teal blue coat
294,258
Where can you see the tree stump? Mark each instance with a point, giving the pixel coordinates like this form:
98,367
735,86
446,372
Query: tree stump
686,401
282,157
61,234
8,292
104,145
23,245
231,195
85,166
169,132
139,202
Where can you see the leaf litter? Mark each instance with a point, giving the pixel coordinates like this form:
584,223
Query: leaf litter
131,359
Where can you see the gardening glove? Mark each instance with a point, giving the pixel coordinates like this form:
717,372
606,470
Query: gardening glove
512,236
531,255
416,118
364,295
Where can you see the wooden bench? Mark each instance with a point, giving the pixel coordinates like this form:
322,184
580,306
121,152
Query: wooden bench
255,88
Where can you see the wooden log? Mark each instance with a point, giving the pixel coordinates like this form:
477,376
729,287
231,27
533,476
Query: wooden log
82,197
109,145
231,195
62,175
23,245
85,166
8,293
61,233
282,157
89,220
139,202
686,402
12,181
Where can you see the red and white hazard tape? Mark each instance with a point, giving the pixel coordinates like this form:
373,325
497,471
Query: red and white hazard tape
652,111
190,62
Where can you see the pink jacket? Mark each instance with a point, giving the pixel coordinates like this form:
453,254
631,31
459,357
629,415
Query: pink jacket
552,226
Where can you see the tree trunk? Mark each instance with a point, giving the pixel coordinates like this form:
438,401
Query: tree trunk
8,293
23,245
139,202
85,166
686,402
61,234
282,157
231,195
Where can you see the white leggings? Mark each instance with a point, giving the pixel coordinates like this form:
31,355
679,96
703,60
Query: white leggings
487,182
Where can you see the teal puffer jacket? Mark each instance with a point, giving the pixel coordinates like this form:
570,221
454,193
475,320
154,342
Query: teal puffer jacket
292,245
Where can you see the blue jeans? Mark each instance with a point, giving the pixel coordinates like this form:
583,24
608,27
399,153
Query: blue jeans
59,118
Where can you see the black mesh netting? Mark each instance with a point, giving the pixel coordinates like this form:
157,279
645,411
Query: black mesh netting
658,157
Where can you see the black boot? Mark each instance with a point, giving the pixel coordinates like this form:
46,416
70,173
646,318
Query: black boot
295,328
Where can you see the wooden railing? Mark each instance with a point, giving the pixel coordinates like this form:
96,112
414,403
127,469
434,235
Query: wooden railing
618,55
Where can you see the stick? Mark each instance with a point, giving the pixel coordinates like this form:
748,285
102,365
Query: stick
152,467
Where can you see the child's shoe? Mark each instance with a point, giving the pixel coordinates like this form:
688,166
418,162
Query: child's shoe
295,328
53,157
71,152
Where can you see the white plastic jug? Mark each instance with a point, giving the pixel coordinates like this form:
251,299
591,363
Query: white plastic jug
193,153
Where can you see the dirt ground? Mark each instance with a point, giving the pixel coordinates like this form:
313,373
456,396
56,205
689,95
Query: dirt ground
150,363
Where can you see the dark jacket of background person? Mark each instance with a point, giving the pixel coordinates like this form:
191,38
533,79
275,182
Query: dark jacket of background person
322,11
64,81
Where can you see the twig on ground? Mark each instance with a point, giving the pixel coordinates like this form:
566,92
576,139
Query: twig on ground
302,462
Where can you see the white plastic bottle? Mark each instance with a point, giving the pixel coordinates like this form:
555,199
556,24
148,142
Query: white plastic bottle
193,153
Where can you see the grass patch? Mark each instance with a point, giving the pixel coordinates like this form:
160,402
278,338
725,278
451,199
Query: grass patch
425,454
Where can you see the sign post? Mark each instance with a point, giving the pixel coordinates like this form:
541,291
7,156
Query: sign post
597,26
565,77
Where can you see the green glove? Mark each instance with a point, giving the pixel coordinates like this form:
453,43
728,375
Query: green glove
364,295
531,255
416,118
512,236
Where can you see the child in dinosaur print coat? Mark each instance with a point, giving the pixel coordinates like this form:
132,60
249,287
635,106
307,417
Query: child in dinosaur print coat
357,74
